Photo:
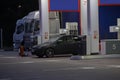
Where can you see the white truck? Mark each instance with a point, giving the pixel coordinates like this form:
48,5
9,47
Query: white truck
28,29
18,34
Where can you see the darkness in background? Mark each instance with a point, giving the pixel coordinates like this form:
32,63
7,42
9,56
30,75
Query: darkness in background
108,17
10,11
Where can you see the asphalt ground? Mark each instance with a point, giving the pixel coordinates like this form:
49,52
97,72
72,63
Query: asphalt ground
62,67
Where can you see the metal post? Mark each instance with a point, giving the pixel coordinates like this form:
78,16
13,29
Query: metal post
1,31
44,20
89,24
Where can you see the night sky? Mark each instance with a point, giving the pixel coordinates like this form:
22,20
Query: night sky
10,12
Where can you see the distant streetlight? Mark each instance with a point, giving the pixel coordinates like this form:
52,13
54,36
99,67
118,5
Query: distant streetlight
19,6
1,31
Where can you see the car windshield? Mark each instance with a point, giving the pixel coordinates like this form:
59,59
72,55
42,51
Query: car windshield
54,39
29,26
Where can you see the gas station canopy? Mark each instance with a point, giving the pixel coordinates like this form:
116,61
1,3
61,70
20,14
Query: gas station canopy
73,5
64,4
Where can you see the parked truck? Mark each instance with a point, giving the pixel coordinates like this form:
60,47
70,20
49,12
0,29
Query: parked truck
28,29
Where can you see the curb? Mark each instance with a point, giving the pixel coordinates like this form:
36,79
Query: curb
77,57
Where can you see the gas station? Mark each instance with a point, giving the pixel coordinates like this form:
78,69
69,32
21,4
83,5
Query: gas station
88,25
88,12
97,20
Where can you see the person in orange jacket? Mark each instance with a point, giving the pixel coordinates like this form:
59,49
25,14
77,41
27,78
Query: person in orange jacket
21,53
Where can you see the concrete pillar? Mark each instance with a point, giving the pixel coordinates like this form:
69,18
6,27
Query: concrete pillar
94,25
89,24
44,20
84,23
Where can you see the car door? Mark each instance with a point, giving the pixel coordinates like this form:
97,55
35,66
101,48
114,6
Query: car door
76,44
70,44
61,47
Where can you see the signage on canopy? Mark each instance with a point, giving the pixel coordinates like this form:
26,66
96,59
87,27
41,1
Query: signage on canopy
73,5
68,5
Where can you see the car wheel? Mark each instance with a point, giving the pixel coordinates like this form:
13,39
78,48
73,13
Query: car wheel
49,52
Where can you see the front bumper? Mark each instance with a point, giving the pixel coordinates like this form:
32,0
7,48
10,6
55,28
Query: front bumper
37,51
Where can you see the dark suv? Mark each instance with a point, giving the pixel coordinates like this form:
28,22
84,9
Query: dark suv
63,44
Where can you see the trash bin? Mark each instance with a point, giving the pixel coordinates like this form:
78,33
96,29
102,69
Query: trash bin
83,45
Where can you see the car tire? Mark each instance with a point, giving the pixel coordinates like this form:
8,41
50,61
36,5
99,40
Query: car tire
49,52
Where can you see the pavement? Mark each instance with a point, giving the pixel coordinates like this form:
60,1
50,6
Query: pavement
99,56
74,57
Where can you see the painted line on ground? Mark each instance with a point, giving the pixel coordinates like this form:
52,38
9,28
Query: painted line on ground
73,68
5,79
8,57
28,62
84,68
88,67
1,55
113,66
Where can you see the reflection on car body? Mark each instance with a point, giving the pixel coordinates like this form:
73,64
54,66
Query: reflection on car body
63,44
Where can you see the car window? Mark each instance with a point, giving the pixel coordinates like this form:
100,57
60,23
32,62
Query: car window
29,27
53,39
63,39
69,39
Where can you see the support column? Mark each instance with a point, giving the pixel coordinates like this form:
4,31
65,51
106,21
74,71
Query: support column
85,30
94,22
44,20
89,25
